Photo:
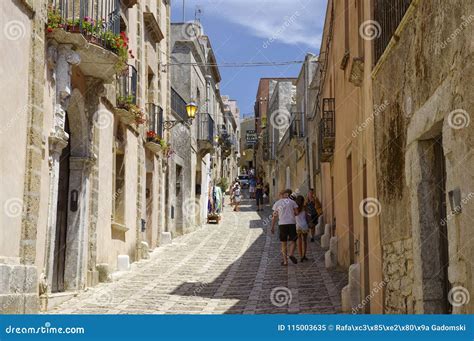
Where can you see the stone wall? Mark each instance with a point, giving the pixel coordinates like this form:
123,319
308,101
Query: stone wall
398,276
425,75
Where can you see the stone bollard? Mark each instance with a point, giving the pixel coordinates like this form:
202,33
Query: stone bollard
326,237
123,263
331,255
350,295
319,226
165,238
104,272
144,250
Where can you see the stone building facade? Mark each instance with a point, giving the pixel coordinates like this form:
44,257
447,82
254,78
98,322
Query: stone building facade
84,185
247,150
344,161
197,164
424,144
231,150
280,107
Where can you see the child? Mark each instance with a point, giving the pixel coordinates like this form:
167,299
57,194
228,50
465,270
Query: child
301,227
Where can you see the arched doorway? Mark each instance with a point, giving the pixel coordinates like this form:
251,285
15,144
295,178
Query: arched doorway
69,205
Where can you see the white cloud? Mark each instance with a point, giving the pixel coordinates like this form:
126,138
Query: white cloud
287,21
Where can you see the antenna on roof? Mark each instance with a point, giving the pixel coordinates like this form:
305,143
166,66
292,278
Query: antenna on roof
184,5
197,13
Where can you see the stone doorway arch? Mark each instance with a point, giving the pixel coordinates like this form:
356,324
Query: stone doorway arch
77,207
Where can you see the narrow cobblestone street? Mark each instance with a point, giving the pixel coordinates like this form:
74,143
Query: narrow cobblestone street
230,268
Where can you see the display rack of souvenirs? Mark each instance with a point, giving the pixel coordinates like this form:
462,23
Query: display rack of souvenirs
214,207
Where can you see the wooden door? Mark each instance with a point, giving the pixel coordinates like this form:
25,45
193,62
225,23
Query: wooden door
61,219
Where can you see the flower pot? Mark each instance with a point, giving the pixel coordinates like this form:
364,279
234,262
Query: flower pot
93,39
73,28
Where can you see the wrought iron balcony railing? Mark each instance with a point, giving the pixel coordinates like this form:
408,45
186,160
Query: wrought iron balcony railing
155,119
205,127
388,14
297,125
178,105
127,86
327,130
95,19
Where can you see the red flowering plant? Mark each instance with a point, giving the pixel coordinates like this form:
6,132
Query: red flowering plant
119,45
151,136
54,19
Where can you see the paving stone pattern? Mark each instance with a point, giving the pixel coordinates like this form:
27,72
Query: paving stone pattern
230,268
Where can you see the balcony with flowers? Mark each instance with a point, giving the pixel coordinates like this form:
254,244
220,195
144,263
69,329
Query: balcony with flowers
93,28
155,141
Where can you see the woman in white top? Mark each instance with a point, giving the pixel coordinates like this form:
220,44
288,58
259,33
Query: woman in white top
302,227
237,196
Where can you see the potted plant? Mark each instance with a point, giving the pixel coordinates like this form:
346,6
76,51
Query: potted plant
151,135
73,25
125,102
54,19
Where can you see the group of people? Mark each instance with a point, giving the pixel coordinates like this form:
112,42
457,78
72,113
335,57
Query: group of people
258,191
297,217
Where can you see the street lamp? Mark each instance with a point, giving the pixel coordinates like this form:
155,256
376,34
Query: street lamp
191,110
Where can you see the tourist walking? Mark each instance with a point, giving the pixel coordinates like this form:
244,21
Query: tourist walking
314,209
259,194
252,186
237,192
302,227
285,211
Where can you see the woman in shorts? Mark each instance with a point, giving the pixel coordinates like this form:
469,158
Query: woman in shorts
302,227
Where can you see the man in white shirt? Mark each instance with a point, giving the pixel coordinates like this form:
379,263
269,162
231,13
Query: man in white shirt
285,211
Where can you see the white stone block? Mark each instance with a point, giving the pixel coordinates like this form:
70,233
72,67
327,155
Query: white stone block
318,230
333,245
123,263
165,238
327,229
144,250
354,275
329,260
325,241
346,300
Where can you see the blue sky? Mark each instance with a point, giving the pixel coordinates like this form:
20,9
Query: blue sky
257,31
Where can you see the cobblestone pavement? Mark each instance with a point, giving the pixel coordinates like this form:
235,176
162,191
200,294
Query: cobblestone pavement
230,268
